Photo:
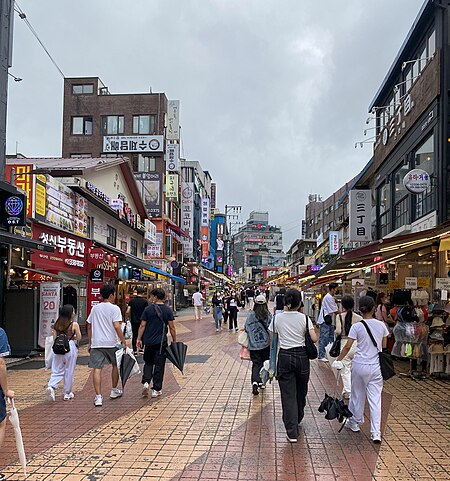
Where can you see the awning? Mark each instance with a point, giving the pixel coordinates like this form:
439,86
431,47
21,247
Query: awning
37,271
177,230
139,263
165,274
19,241
178,279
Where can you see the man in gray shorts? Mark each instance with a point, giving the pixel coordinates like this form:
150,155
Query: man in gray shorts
104,331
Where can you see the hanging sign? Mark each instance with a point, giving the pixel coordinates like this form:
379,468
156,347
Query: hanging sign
150,232
172,187
417,181
205,212
96,275
13,209
360,206
173,120
443,283
49,309
410,282
334,242
173,157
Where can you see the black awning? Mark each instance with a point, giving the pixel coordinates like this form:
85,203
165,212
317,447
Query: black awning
17,240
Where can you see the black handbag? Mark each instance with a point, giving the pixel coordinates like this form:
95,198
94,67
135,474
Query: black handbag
336,347
386,363
328,319
311,349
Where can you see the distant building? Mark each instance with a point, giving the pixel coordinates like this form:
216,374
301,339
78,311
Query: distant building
300,255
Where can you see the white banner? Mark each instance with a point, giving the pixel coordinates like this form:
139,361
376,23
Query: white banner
133,143
410,282
443,283
205,212
187,217
360,206
49,309
173,157
150,231
173,120
334,242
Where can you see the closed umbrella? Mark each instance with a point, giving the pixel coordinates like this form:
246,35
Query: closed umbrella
176,354
14,420
127,364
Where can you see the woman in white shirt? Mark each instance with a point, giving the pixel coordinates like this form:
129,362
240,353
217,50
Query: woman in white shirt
366,373
293,362
344,322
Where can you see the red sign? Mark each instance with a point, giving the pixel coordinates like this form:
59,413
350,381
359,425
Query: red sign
96,255
70,251
24,181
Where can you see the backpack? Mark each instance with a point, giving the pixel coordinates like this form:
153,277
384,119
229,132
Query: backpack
61,343
258,335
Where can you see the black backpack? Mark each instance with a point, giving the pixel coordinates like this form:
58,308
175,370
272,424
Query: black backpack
61,343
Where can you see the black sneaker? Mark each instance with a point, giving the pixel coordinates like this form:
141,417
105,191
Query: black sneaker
255,389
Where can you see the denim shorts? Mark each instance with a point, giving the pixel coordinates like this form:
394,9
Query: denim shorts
2,406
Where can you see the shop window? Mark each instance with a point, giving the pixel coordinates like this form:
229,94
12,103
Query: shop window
134,247
81,125
82,89
112,124
424,159
144,124
401,198
168,245
111,240
384,203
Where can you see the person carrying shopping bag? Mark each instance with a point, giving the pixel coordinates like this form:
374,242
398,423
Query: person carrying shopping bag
367,380
217,303
67,334
293,363
344,322
256,326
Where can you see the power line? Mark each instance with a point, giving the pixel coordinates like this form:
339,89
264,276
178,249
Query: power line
33,31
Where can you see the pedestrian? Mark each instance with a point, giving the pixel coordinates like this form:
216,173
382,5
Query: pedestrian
4,391
155,320
257,328
343,325
232,306
250,297
135,309
104,327
217,303
325,320
197,302
367,380
279,301
293,362
63,365
267,294
243,295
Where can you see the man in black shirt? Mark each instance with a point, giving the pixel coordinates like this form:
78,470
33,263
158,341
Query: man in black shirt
153,334
135,309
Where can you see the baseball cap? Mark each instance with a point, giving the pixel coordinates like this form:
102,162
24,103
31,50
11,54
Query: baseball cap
261,299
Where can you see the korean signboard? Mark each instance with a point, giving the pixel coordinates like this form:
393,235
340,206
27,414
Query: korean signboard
173,157
173,120
205,212
133,143
187,217
334,242
172,187
417,181
150,231
49,309
213,195
24,181
360,206
40,196
155,250
150,185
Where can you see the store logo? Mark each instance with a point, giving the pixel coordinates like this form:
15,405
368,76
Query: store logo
14,205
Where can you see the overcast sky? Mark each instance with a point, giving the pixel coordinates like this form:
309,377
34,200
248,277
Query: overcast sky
274,93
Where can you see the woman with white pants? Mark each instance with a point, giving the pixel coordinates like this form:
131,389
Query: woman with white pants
344,322
63,365
366,373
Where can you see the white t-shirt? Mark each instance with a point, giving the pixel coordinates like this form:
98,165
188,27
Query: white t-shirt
328,307
291,327
102,318
366,352
197,298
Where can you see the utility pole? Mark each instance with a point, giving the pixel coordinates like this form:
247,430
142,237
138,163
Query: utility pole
6,23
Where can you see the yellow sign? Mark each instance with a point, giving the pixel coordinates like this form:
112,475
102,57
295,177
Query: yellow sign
424,282
172,186
40,199
394,285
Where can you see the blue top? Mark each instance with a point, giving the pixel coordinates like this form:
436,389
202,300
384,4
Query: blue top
5,350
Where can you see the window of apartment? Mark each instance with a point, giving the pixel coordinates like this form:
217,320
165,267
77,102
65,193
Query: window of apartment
80,156
146,164
82,89
124,246
81,125
111,240
401,197
144,124
424,159
112,124
423,56
384,203
168,245
408,75
431,43
134,247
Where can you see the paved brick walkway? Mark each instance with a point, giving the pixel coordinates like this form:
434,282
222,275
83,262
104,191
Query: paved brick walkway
208,426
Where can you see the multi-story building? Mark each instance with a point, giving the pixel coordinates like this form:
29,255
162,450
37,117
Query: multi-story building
300,255
258,244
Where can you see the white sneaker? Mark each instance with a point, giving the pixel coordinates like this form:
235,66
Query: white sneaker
291,440
50,393
323,359
145,390
98,401
353,425
375,437
69,396
156,393
217,330
115,393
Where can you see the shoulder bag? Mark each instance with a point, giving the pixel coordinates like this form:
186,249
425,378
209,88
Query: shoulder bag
311,349
386,363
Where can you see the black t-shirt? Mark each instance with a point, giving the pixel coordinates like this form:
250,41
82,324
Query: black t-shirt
279,302
154,328
137,305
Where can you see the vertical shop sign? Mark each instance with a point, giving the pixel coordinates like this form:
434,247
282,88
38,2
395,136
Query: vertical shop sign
173,157
360,204
213,195
24,180
173,120
150,184
150,231
187,217
155,250
172,187
205,212
40,197
49,309
334,242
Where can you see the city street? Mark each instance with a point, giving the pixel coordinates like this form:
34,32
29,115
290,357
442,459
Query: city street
209,426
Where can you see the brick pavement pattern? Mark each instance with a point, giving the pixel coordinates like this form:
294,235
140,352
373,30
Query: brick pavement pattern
208,426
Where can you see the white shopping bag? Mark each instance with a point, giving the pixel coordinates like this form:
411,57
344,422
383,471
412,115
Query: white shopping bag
48,352
127,330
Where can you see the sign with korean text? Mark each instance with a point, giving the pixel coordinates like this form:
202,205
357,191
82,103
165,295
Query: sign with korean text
150,186
150,232
24,181
40,196
360,206
133,143
417,181
443,283
96,256
172,187
70,252
334,242
116,204
410,282
213,195
173,120
187,217
205,212
155,250
173,157
49,294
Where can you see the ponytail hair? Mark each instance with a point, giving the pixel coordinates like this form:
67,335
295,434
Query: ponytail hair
348,304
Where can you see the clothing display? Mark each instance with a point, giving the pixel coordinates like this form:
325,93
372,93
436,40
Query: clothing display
420,297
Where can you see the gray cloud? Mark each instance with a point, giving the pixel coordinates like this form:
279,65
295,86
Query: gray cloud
273,94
